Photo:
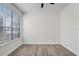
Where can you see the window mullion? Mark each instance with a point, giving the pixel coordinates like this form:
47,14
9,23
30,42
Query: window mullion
11,25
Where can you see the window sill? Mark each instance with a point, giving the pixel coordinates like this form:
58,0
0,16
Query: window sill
8,42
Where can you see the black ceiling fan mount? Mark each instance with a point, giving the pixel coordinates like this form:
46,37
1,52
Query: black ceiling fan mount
42,4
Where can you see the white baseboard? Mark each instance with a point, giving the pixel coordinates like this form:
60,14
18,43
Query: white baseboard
68,49
42,43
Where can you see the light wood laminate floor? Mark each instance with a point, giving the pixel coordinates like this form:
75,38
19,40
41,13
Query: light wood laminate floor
41,50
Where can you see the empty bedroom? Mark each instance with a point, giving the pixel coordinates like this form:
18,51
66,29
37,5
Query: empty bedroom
39,29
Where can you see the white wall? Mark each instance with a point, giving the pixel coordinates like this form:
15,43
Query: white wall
69,21
41,28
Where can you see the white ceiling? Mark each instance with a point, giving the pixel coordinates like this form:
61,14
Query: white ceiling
36,7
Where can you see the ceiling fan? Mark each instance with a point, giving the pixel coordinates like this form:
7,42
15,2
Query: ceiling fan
42,4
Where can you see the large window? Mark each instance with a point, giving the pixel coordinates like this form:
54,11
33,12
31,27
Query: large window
9,24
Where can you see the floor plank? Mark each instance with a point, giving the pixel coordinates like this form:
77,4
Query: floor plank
41,50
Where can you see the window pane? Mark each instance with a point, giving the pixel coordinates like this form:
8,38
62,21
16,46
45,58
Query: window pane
15,20
1,25
5,23
16,25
